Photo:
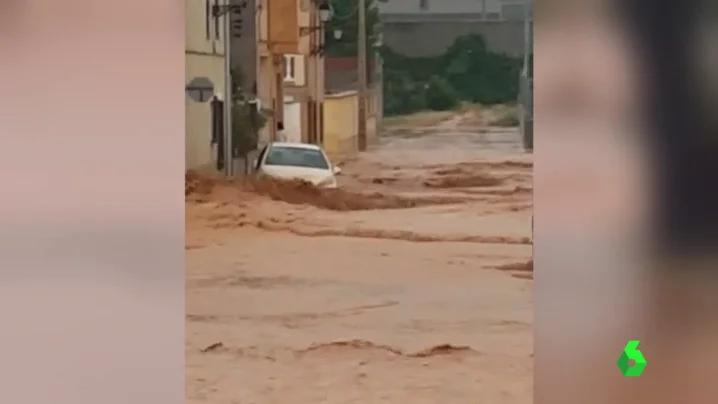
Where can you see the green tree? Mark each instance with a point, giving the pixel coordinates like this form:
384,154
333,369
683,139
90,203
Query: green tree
479,75
440,95
346,19
466,71
246,120
403,94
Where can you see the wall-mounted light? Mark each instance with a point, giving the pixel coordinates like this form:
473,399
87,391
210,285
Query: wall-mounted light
219,10
320,49
379,42
325,11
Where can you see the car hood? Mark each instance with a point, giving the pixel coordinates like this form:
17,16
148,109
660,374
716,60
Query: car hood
312,175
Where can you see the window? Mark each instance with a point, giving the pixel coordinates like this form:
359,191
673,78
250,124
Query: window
216,21
296,157
289,68
207,17
424,5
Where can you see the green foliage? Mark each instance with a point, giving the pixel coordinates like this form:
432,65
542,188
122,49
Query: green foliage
246,120
466,71
440,95
246,124
346,18
406,94
481,76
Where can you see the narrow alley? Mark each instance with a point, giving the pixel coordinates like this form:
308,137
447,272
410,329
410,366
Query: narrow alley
410,283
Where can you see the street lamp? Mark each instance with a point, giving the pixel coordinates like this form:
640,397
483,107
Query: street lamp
326,12
379,42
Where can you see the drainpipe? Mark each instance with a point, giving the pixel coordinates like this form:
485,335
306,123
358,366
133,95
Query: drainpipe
527,123
362,72
228,101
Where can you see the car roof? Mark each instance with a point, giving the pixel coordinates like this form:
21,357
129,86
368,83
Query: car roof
296,145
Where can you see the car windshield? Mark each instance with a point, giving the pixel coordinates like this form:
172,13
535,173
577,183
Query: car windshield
297,157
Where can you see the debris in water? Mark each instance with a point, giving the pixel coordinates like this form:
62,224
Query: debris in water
213,347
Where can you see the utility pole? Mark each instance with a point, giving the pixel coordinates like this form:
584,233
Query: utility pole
527,34
362,73
228,101
526,84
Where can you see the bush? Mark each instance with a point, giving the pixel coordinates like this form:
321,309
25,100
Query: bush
440,95
246,120
467,71
246,124
402,95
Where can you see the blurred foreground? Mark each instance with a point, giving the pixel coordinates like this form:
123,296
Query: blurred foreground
626,217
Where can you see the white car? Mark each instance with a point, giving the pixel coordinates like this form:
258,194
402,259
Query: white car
297,161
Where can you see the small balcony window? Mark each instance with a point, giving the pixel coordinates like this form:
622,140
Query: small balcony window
289,68
207,18
216,22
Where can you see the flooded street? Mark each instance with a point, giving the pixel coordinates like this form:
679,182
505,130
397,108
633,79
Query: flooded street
408,284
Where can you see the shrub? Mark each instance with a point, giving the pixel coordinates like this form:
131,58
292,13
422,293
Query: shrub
467,71
440,95
246,124
402,95
246,120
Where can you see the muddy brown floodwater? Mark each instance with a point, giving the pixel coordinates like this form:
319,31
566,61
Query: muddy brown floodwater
411,283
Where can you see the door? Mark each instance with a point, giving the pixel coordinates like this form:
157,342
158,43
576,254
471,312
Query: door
216,107
321,123
293,122
311,120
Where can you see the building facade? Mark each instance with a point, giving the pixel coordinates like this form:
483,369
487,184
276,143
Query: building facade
244,46
428,27
297,77
495,10
204,57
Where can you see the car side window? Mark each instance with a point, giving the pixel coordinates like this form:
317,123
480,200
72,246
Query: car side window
260,157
